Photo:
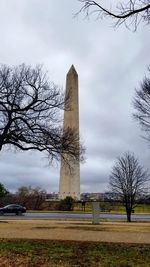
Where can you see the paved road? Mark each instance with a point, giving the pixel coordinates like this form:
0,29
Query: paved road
76,216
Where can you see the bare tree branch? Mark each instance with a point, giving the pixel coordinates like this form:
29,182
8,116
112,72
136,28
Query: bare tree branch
141,104
30,117
130,12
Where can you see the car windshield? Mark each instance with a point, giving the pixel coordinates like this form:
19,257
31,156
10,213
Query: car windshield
12,206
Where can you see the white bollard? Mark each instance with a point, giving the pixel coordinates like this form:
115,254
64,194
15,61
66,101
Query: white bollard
95,212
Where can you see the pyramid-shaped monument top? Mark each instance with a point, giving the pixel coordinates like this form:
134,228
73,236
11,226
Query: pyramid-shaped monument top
72,70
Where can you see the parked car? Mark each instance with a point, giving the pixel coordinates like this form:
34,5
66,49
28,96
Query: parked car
13,208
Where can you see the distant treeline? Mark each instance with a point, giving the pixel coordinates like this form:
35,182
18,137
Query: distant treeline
36,199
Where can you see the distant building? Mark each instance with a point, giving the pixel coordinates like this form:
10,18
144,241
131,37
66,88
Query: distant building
52,196
92,196
110,196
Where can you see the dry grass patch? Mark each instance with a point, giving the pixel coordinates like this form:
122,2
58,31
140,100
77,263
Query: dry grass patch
76,230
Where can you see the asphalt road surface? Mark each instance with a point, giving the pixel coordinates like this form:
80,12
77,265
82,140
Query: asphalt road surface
76,216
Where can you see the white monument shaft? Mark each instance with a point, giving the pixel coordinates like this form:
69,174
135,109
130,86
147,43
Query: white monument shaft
69,184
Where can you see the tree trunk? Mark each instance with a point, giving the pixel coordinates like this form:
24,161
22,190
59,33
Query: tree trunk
128,215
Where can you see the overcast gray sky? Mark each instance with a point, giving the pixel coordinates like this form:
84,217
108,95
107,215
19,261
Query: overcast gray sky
110,63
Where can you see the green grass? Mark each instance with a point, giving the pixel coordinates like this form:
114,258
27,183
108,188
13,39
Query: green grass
112,207
142,208
104,207
72,254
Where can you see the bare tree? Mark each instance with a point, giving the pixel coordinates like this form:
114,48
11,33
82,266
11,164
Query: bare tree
32,198
30,108
141,104
128,180
130,12
3,191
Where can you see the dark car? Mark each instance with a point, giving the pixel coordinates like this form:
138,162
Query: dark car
13,208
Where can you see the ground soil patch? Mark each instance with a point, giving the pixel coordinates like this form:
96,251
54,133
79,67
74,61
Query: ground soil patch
76,231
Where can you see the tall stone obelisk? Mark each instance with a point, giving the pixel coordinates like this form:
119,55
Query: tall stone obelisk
69,184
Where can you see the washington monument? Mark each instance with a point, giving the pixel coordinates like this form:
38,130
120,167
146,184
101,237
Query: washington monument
69,184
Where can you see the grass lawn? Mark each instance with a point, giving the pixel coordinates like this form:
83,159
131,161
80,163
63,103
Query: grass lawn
38,253
112,207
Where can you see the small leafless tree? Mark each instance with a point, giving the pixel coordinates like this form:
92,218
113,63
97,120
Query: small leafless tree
142,106
130,12
30,108
129,181
32,198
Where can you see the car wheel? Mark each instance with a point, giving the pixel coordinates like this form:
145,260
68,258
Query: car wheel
1,213
18,213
